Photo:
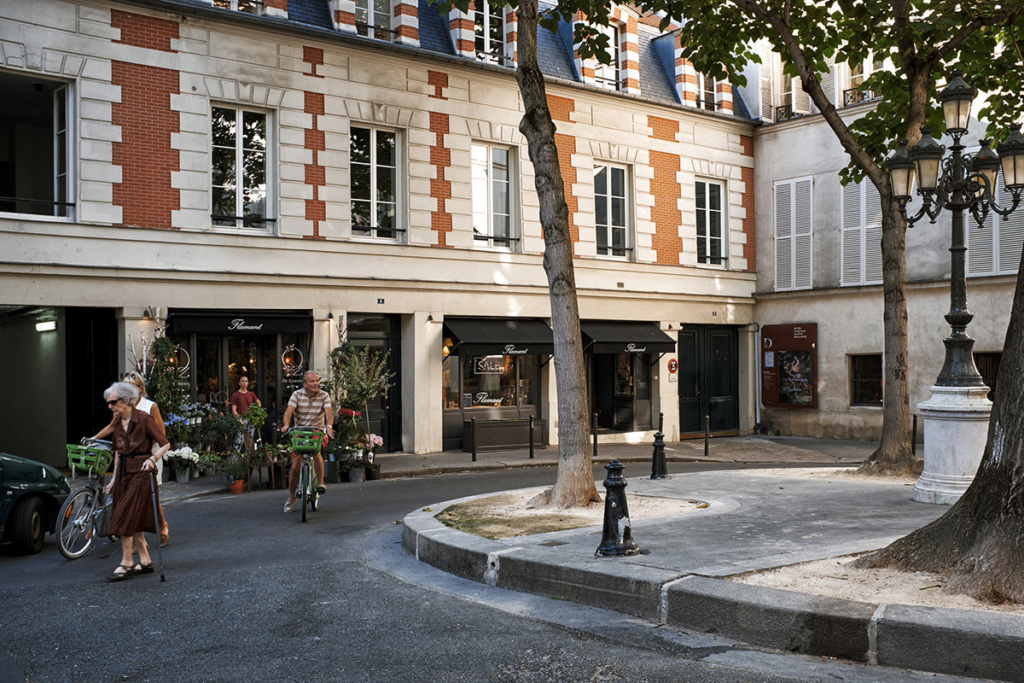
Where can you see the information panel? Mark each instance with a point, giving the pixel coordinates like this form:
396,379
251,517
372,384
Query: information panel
789,365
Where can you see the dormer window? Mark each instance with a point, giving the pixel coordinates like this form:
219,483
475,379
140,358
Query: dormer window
489,31
706,86
860,72
607,75
247,6
373,19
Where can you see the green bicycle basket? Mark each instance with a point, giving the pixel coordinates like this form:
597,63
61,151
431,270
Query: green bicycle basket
306,440
95,461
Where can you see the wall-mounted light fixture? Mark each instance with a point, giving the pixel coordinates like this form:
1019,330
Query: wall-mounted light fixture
330,315
148,313
430,318
46,326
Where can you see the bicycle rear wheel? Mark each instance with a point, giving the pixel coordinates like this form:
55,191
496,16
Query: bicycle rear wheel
75,524
304,487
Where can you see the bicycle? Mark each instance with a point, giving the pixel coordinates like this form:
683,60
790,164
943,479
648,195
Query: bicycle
307,441
86,513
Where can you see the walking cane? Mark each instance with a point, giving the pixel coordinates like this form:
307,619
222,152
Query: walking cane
156,522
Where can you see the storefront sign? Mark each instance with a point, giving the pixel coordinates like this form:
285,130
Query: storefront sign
789,366
488,365
238,323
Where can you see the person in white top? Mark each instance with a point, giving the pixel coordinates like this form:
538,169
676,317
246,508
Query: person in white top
146,406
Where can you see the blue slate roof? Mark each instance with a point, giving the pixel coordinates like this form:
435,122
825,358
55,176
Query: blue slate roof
312,12
655,82
434,35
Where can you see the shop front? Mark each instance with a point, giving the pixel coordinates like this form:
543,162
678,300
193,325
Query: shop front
491,370
620,357
217,347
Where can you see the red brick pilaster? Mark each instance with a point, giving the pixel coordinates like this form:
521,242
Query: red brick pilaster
313,56
144,152
665,187
140,30
440,187
316,208
750,248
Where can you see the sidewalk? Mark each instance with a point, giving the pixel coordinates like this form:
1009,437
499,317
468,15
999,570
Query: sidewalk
734,449
753,521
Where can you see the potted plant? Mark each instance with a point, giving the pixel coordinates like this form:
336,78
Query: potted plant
235,472
209,463
358,376
181,461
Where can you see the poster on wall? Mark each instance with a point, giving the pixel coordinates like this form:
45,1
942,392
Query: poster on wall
789,365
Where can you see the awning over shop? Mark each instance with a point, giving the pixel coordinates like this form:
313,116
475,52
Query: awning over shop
240,322
499,336
616,337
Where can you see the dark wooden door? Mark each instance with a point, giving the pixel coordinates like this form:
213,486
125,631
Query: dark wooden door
708,378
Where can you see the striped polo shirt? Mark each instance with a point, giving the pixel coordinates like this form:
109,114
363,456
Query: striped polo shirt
309,412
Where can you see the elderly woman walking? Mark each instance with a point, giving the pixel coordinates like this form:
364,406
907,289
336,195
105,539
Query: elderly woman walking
134,464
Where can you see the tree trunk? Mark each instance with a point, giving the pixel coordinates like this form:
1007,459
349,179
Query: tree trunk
979,544
574,484
893,455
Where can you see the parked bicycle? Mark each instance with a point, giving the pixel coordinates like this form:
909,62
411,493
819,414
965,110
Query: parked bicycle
307,441
86,512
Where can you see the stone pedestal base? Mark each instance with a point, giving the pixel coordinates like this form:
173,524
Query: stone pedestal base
955,430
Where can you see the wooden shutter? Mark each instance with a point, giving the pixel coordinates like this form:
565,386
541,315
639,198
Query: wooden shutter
784,235
980,242
828,82
872,233
1011,235
853,236
802,220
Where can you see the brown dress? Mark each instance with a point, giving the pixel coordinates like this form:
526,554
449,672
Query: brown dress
133,500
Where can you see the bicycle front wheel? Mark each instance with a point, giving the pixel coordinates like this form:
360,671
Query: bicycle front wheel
75,524
304,488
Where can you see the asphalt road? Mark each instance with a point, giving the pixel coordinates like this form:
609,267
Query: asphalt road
254,595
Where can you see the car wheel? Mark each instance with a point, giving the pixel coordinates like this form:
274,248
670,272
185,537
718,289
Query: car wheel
27,531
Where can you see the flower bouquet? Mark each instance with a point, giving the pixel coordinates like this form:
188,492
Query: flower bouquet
182,459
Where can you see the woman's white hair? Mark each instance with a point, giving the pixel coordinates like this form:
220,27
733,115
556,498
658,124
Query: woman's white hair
123,391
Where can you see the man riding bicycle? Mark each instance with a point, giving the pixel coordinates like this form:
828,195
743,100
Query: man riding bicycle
311,408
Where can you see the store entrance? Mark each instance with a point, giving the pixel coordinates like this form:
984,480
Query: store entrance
620,390
382,334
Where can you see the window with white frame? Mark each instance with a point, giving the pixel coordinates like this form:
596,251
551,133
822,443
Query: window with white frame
862,234
994,248
607,75
611,209
857,73
489,31
374,162
373,19
239,187
493,192
35,146
706,92
793,239
711,241
247,6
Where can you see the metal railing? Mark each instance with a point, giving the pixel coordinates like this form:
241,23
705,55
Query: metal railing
853,96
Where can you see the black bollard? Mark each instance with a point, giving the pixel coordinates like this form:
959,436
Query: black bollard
659,469
473,434
593,427
707,433
617,537
913,438
531,437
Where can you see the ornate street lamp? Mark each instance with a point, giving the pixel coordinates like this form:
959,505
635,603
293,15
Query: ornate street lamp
967,182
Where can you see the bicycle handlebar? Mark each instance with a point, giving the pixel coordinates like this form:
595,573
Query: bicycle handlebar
289,430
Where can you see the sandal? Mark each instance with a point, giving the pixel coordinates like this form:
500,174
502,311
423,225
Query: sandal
321,489
129,572
146,568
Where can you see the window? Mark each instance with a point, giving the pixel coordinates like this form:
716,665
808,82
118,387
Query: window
611,209
490,381
607,75
988,366
862,234
373,19
793,219
866,380
994,248
792,98
710,245
706,92
239,173
489,29
374,165
492,195
35,146
247,6
858,73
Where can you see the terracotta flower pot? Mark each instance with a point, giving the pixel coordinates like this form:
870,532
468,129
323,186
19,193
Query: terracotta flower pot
237,486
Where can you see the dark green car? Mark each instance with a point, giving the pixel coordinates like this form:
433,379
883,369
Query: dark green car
31,494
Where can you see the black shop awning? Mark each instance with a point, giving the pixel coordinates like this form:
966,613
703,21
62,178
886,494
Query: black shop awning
616,337
499,336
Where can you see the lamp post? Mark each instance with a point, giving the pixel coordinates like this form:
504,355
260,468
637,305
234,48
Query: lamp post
956,417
